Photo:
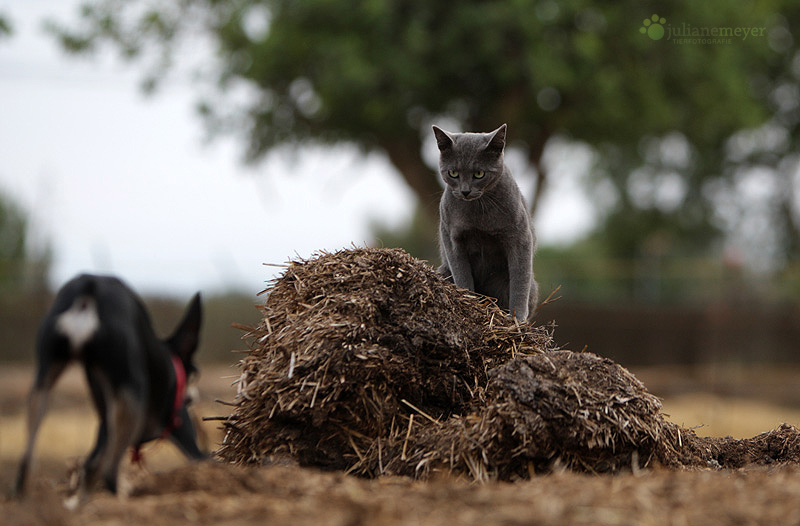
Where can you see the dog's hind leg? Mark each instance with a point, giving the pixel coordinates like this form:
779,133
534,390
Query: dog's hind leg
121,420
126,419
98,397
47,374
102,392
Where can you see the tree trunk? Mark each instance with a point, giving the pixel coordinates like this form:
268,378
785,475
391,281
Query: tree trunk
406,157
541,180
535,158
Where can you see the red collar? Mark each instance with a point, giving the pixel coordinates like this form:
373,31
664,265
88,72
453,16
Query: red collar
180,394
177,403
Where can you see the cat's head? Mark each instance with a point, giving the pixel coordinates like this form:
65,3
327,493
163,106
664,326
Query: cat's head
470,163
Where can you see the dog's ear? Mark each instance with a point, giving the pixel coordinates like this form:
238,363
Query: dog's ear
184,340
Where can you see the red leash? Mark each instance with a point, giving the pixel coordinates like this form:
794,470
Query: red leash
175,420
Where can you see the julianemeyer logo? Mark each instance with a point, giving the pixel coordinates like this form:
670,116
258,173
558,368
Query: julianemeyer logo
656,28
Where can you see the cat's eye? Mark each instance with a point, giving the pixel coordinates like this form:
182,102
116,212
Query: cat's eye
478,175
452,173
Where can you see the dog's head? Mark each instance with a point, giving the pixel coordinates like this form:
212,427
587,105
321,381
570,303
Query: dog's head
183,344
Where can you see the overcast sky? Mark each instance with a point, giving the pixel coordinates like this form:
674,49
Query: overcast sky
120,183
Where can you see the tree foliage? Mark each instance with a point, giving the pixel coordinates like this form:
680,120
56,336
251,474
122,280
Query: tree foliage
21,267
662,116
6,27
13,228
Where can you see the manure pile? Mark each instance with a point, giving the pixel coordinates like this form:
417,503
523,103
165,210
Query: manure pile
367,361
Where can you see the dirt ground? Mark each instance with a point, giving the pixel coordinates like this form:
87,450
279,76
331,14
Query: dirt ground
730,401
217,494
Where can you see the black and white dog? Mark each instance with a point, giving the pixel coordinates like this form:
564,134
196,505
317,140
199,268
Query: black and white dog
137,381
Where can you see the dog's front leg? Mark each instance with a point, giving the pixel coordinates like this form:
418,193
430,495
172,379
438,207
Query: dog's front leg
185,436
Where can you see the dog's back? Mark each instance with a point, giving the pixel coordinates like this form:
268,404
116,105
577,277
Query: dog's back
98,321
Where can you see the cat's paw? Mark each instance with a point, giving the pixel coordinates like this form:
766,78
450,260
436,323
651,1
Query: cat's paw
520,315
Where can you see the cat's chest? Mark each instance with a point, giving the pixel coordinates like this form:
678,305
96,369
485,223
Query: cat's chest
464,218
478,240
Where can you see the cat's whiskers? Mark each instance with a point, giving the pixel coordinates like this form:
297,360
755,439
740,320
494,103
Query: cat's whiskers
487,201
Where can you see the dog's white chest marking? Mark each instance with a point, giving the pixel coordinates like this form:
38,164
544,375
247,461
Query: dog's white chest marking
79,323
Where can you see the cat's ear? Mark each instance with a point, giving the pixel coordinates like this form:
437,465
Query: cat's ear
498,140
443,139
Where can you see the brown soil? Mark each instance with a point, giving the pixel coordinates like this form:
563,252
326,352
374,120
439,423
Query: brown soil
228,495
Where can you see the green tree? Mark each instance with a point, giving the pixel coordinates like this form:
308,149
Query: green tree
21,267
378,73
13,228
6,28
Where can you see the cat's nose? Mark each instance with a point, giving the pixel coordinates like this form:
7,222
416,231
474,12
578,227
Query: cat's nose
466,193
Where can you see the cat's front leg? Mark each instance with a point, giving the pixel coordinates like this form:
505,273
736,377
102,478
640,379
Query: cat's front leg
520,278
460,268
456,259
462,272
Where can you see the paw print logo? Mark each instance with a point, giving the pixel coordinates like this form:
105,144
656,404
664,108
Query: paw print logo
653,27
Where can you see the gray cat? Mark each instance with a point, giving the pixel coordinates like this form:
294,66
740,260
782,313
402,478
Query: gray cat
485,233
